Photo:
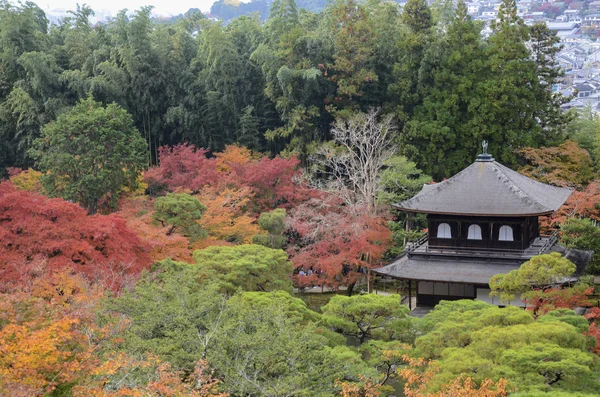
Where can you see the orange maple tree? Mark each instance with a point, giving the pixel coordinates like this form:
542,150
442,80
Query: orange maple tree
566,165
364,388
420,372
233,154
158,379
137,212
48,335
225,218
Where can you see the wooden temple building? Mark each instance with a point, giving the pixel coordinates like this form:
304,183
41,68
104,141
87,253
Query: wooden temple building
481,222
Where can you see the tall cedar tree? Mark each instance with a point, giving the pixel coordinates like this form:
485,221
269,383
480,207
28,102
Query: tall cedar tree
353,52
441,136
506,114
416,15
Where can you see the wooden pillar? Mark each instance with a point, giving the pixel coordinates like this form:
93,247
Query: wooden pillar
408,226
410,294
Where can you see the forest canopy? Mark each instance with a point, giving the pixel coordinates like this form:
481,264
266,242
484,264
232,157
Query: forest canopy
276,87
178,189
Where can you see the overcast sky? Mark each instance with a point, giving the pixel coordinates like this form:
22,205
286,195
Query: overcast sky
163,7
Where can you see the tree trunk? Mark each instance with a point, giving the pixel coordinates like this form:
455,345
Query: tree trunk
350,289
92,207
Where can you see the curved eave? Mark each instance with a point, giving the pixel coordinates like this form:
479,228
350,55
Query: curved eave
471,213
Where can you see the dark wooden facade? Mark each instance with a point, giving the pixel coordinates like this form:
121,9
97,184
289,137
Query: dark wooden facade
525,230
431,293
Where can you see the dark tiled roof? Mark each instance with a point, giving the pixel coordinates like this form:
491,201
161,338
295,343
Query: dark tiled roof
490,189
454,270
468,270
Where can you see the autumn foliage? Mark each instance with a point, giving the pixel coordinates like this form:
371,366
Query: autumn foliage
337,242
182,166
541,302
48,335
159,379
582,204
225,218
544,301
566,165
367,388
419,373
138,213
272,182
51,338
26,179
42,234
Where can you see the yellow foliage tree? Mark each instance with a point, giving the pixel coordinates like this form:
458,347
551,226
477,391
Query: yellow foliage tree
27,180
47,335
233,154
224,218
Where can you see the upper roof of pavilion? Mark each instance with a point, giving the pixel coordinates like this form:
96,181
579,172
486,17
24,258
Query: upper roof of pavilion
487,188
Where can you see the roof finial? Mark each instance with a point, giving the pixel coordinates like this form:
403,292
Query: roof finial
485,156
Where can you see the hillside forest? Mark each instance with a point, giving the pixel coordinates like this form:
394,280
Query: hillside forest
171,191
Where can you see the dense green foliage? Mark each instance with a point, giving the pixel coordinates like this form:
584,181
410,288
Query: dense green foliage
540,271
278,85
89,153
248,267
180,211
261,343
472,337
367,316
273,222
582,234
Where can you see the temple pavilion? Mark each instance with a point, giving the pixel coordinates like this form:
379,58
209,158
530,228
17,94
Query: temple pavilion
481,222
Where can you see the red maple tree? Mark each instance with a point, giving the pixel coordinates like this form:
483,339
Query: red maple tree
274,182
333,244
39,234
541,301
582,204
182,166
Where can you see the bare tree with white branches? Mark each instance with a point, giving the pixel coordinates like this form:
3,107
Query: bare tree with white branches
362,143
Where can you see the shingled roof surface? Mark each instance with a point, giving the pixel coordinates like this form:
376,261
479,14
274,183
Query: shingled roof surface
456,270
487,188
469,270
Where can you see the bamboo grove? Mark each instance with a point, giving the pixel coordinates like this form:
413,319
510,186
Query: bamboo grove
277,86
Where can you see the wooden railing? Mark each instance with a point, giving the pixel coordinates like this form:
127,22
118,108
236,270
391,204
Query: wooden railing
422,246
549,243
481,250
411,246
